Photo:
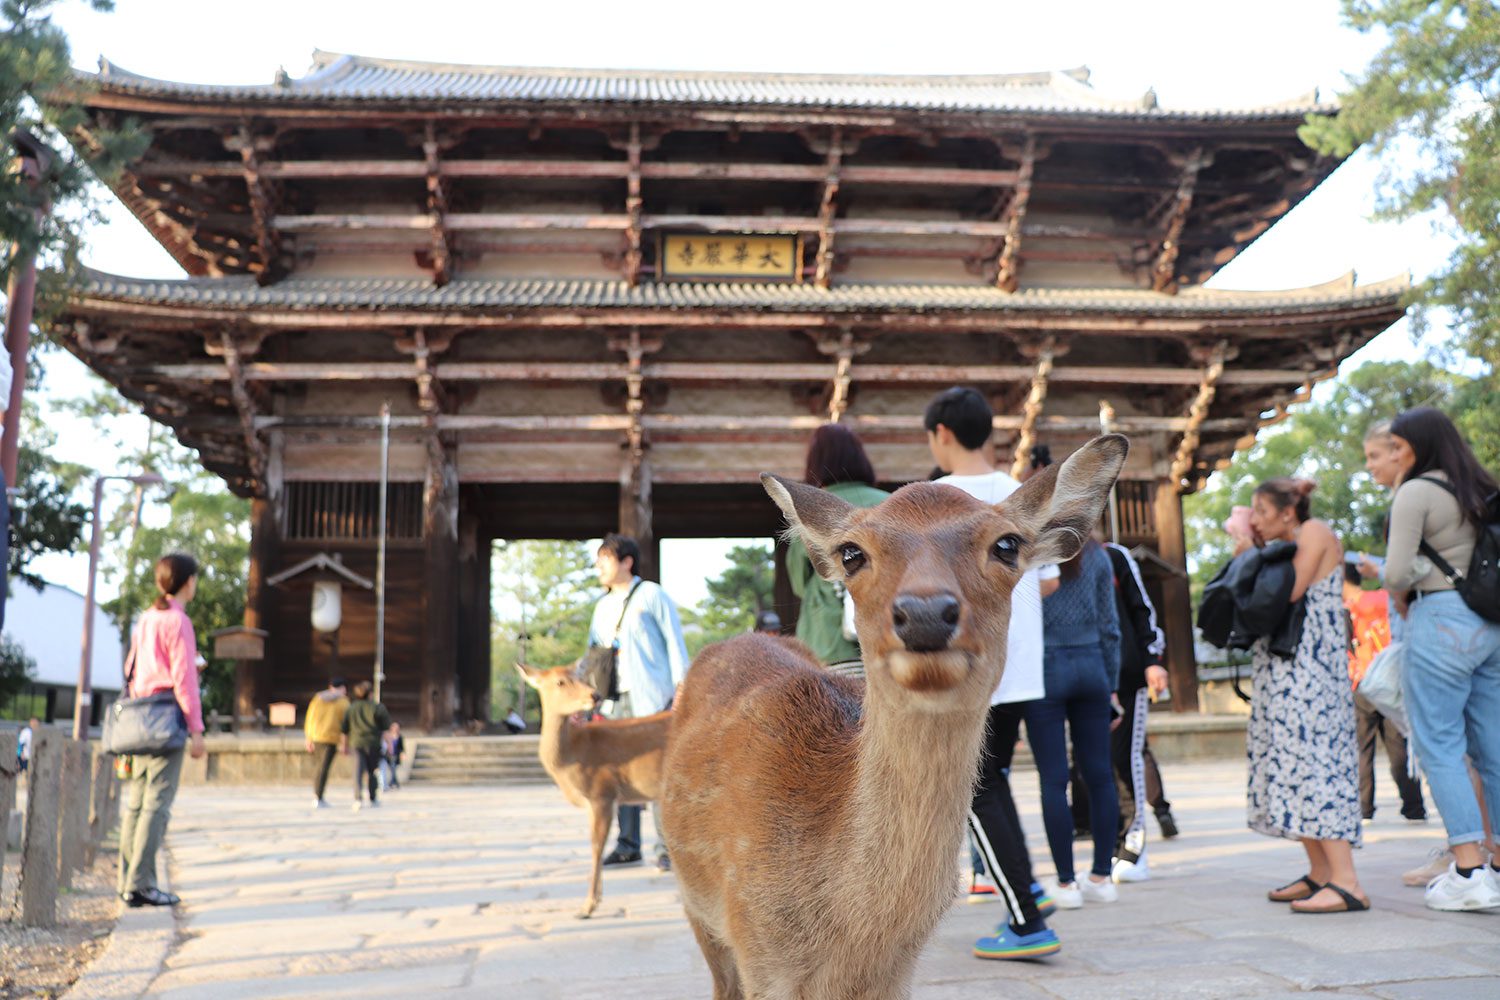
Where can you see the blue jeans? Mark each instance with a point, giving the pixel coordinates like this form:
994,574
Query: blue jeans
1078,691
1451,682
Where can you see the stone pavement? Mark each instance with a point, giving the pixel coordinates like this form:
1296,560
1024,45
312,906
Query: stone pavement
472,891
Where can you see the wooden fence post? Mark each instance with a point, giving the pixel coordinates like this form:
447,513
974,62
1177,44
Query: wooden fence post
8,768
73,814
100,777
39,853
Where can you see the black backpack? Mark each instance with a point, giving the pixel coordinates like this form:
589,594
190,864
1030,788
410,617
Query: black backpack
1480,586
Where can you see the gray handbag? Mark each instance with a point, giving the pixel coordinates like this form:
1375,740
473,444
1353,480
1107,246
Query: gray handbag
152,725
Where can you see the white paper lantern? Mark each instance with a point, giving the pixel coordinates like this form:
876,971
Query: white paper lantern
327,606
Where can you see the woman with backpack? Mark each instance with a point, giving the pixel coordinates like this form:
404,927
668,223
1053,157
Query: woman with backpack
1444,509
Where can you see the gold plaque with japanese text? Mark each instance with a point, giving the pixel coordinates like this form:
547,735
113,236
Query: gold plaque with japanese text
729,256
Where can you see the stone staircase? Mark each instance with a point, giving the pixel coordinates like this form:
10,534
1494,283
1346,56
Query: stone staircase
476,760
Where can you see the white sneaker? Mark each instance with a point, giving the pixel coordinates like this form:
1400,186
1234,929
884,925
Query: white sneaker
1438,861
319,804
1098,892
1451,891
358,805
1067,897
1131,871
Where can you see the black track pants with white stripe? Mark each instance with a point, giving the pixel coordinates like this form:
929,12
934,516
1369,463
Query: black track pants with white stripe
993,821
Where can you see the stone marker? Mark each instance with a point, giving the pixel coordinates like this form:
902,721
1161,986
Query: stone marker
39,853
102,775
73,815
8,769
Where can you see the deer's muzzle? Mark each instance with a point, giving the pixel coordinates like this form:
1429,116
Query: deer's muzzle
925,622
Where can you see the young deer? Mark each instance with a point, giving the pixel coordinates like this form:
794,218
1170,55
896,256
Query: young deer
814,821
598,765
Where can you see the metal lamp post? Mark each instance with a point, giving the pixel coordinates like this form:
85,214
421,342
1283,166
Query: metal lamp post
84,696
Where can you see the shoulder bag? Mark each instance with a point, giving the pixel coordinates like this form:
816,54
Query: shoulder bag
599,667
150,726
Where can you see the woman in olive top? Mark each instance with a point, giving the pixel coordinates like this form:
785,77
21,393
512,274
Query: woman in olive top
836,462
1451,674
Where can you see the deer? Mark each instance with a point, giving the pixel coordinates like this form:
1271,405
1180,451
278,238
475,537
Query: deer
598,765
815,820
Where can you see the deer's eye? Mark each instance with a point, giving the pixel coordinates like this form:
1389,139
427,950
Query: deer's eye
1007,549
853,558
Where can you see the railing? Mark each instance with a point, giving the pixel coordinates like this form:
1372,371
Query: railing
1135,502
336,511
72,803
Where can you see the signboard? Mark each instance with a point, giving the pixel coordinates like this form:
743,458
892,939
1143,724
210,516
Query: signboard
239,643
283,713
729,257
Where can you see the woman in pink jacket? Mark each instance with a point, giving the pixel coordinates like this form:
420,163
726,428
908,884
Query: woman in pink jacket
165,655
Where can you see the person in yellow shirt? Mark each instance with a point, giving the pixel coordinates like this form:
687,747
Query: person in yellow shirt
324,728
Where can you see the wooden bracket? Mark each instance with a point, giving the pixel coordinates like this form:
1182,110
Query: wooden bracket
441,249
230,348
1164,270
633,207
1185,458
1044,352
828,209
262,200
1008,264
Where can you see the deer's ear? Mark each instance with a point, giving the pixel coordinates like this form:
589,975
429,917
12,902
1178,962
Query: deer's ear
816,516
527,674
1059,506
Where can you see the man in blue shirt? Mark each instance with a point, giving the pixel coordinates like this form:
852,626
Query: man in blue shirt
638,618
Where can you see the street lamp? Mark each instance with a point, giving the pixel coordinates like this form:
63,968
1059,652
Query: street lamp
84,696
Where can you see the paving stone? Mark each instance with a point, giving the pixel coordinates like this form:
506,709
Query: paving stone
1479,988
1367,968
1200,983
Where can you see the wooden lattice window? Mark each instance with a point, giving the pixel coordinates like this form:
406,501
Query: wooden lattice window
1135,501
350,512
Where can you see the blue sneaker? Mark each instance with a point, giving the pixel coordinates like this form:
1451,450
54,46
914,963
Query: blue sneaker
1009,944
1045,904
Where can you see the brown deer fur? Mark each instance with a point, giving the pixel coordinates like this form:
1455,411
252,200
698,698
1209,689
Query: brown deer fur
815,821
598,765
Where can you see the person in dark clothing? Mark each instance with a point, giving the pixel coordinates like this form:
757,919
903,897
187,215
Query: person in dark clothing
364,724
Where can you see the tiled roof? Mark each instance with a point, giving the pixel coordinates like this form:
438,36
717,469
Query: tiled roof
348,78
347,294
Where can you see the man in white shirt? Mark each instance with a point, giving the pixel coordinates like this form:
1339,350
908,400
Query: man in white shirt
959,422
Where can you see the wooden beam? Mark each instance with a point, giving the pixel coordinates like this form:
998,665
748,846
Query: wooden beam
440,248
690,371
828,209
633,206
255,448
1031,411
1164,270
1008,265
1182,461
582,169
506,221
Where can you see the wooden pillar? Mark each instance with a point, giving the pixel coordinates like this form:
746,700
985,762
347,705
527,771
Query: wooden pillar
635,513
251,686
1177,601
473,621
39,852
440,614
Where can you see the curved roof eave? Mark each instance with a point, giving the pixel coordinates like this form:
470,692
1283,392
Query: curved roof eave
362,81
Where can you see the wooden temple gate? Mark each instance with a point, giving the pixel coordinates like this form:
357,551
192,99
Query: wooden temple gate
608,300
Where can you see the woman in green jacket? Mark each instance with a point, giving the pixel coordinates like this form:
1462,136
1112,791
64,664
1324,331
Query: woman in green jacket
836,462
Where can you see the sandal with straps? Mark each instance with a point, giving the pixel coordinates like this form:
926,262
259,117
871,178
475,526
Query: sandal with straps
1351,903
1288,892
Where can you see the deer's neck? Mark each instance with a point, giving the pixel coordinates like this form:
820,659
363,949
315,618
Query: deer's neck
559,737
915,784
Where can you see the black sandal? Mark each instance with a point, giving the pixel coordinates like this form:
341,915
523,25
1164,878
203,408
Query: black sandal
1352,903
1312,889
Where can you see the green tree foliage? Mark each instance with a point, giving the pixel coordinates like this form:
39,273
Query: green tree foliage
743,589
1428,105
208,522
1324,441
544,592
45,517
16,669
39,95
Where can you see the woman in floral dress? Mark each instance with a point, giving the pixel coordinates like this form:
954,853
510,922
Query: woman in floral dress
1301,740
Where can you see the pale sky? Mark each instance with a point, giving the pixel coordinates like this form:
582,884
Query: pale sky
1194,54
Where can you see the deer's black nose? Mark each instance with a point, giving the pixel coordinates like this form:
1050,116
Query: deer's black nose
925,622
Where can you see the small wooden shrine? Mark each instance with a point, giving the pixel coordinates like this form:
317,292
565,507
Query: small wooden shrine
605,300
